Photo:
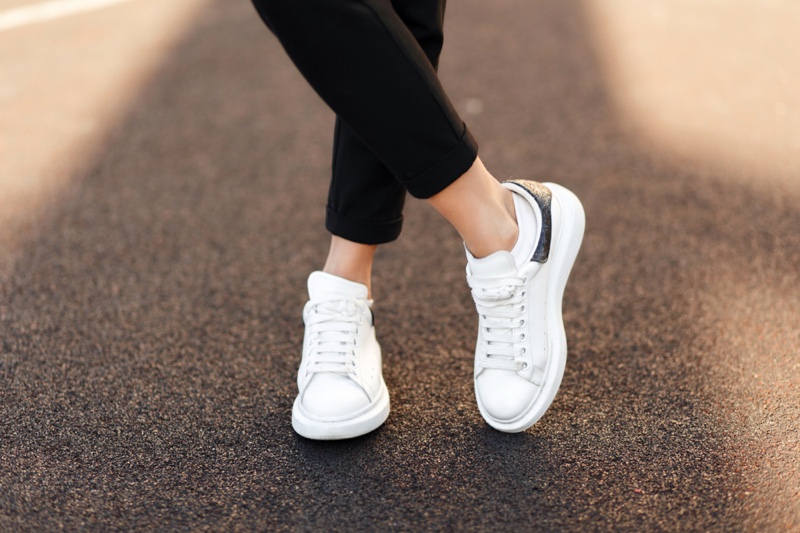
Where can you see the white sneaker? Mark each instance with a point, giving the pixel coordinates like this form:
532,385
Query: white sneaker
522,348
341,389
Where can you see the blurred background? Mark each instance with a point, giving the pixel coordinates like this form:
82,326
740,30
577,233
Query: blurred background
163,172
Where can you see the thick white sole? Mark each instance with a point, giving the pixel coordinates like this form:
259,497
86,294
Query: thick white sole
362,423
564,249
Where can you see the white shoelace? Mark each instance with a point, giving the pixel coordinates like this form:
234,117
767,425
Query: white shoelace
500,304
333,329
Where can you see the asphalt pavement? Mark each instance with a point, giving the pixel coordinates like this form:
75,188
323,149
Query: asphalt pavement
150,313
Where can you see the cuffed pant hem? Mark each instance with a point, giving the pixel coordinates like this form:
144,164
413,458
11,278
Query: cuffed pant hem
442,174
360,231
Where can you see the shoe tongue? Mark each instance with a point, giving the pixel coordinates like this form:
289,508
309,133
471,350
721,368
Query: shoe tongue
497,265
323,286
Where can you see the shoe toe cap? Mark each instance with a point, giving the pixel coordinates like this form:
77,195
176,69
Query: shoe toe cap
333,396
503,394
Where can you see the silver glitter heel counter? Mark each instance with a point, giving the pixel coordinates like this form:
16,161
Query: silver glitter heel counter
544,198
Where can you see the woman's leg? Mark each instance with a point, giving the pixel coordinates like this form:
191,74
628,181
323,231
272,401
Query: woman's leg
369,66
366,64
351,261
480,209
476,205
357,226
356,174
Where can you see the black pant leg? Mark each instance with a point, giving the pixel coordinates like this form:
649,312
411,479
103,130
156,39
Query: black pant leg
365,63
365,201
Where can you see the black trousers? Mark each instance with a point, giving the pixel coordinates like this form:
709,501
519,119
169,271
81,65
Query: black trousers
374,63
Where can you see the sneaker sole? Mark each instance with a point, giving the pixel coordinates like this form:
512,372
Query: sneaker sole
359,425
562,257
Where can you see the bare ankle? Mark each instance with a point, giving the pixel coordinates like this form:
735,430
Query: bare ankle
481,210
498,230
503,238
351,261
